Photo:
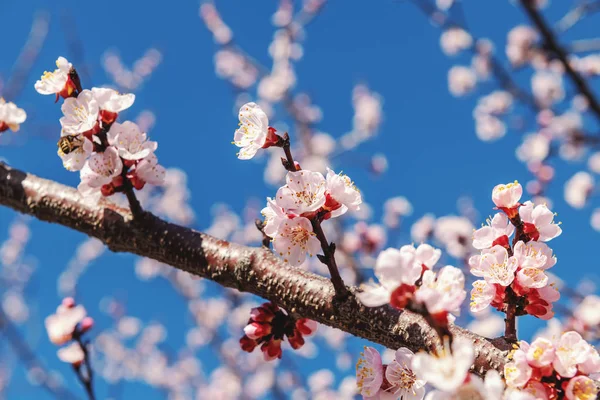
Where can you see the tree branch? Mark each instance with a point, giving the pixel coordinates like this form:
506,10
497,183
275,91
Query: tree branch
551,43
253,270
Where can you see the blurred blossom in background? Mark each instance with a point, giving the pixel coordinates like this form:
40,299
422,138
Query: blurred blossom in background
413,113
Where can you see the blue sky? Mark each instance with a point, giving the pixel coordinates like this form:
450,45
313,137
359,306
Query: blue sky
428,136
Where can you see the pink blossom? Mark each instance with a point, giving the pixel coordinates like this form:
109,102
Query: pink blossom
547,88
534,255
11,116
497,231
474,388
518,372
57,82
442,292
149,171
461,80
423,228
395,208
591,366
519,48
448,370
392,269
587,311
367,110
454,233
534,148
489,127
131,143
507,196
61,326
454,40
539,222
369,372
99,170
342,194
295,238
496,103
540,353
80,113
532,278
494,265
578,189
72,354
482,295
404,383
253,130
112,101
304,192
581,388
274,215
425,256
571,350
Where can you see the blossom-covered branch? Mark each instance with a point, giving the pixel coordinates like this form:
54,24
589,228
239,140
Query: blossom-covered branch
254,270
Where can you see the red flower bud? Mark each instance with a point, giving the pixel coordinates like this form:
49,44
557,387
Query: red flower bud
402,295
247,344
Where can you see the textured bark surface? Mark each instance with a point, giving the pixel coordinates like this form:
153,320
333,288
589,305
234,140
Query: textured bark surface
253,270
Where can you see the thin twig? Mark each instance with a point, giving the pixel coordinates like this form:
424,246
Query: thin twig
584,45
30,360
551,43
288,162
576,14
499,72
29,54
328,258
88,380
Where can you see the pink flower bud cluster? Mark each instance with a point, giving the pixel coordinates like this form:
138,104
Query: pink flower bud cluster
268,327
554,370
406,279
111,156
11,116
513,271
307,197
67,326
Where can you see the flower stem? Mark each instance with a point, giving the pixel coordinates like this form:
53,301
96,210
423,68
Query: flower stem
440,327
88,380
510,327
134,204
266,240
328,258
288,161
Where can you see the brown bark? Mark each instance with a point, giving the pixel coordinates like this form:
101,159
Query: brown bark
253,270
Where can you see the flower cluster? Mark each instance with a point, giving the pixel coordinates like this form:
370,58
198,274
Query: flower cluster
254,132
269,325
554,370
11,116
406,279
448,372
304,201
111,156
307,198
68,325
513,274
376,380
